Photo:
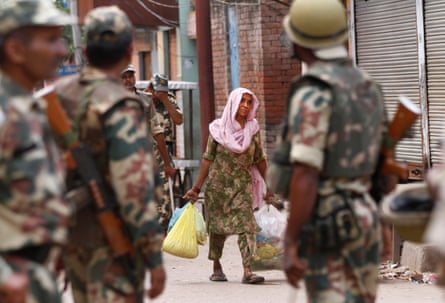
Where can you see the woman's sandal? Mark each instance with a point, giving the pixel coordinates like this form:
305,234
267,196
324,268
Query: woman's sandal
218,277
252,279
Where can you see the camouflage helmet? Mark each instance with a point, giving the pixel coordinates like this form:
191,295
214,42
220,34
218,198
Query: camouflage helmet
107,24
15,14
316,24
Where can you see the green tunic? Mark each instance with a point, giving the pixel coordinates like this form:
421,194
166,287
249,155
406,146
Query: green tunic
229,192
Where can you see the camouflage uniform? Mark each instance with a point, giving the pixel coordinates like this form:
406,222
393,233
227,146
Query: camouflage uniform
164,207
166,122
111,121
336,120
33,215
163,199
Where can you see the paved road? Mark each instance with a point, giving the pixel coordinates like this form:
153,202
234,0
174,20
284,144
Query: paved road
188,283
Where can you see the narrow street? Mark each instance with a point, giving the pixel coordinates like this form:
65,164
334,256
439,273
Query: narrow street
188,283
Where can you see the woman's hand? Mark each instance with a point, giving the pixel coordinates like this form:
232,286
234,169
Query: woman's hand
269,197
192,194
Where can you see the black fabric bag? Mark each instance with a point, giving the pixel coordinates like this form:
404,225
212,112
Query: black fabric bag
279,172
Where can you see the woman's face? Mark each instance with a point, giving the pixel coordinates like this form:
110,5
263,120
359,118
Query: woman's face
245,106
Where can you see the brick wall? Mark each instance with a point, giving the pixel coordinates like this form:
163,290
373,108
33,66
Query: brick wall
265,66
278,68
173,72
220,56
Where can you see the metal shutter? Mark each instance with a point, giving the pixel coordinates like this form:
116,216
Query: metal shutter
435,65
386,47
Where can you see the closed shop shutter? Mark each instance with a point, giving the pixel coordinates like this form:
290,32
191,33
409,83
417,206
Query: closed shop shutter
386,47
435,66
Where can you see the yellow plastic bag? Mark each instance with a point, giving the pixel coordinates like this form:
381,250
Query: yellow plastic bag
181,241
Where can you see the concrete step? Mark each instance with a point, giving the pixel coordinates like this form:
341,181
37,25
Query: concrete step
420,257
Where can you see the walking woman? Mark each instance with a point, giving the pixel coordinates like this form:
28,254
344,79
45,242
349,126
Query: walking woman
234,165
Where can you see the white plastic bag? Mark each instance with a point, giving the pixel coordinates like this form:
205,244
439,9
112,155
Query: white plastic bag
271,221
269,249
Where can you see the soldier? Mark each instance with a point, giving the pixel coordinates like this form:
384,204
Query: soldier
169,115
334,128
167,109
33,215
111,122
128,79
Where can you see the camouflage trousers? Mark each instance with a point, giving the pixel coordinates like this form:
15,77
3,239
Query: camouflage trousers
246,244
347,274
42,283
96,277
164,204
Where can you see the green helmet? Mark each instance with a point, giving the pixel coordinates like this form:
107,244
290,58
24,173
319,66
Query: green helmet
316,24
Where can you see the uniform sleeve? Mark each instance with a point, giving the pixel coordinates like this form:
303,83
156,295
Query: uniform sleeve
309,115
155,125
210,152
132,177
173,101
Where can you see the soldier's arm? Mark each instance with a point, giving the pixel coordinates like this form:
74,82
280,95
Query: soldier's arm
158,135
309,115
172,108
162,147
308,129
131,166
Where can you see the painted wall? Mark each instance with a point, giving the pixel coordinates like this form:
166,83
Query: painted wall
188,67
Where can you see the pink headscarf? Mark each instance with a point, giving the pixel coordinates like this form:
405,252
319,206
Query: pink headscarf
229,133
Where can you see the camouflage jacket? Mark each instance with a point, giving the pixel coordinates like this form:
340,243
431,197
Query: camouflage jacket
153,120
336,120
165,120
111,120
32,211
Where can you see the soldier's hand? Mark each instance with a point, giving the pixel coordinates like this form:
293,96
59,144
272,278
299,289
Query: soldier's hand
14,289
170,171
294,267
157,281
161,96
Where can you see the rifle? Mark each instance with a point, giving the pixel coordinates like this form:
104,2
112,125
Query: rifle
78,158
405,116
